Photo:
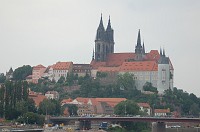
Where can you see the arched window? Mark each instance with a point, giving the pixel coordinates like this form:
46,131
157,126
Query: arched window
98,48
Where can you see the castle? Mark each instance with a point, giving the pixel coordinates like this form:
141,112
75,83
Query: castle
154,67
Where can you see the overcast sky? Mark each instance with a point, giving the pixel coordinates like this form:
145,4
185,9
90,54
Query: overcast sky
44,32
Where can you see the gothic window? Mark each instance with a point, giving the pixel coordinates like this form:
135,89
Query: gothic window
107,50
103,48
163,75
98,48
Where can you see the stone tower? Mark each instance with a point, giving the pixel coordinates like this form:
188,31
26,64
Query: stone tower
104,42
163,82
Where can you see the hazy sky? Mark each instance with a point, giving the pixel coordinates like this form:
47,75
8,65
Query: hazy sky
44,32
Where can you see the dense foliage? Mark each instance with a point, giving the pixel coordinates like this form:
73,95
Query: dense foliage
22,72
130,108
2,78
175,99
49,107
15,104
149,87
72,109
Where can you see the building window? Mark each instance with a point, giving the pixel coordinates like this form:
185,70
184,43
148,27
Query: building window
163,75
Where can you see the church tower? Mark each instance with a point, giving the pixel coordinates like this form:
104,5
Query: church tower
139,50
163,82
104,42
110,38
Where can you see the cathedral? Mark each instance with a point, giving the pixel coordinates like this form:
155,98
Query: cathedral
154,66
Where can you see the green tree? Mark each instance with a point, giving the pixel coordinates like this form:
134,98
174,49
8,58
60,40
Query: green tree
126,107
61,80
90,89
25,90
49,107
2,100
149,87
194,110
70,79
72,109
101,74
32,118
126,81
22,72
31,105
21,107
129,107
2,78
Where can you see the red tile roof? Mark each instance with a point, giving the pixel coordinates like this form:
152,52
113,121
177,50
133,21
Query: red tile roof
121,60
96,64
82,100
62,65
111,101
145,105
64,101
38,67
153,55
139,66
37,99
116,59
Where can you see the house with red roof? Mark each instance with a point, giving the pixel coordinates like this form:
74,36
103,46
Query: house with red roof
48,73
154,66
37,72
161,112
62,69
66,101
94,106
37,97
145,107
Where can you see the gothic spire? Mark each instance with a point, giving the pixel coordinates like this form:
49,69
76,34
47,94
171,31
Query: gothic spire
163,52
109,25
100,31
160,51
101,23
93,54
143,48
139,39
138,48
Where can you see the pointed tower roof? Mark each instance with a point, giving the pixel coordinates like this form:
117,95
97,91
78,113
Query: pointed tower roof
163,52
101,27
93,54
160,52
109,25
100,31
139,39
143,48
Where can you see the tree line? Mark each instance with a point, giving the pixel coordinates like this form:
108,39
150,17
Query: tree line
15,104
